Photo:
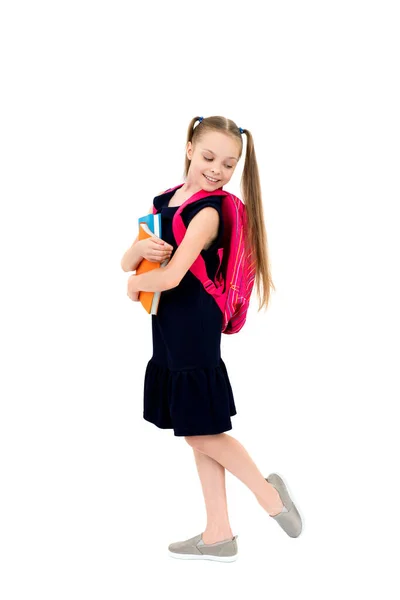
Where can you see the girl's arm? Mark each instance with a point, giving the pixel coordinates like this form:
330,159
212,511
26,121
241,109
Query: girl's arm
132,259
156,280
202,228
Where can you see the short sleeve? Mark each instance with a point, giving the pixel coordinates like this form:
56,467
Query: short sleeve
161,200
192,209
158,202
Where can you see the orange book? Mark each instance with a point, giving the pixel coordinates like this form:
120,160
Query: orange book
150,226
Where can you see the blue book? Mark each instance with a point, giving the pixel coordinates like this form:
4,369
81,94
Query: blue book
153,222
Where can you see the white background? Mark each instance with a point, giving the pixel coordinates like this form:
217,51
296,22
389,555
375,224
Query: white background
95,103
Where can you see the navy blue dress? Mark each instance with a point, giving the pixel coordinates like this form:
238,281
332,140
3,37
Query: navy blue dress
186,384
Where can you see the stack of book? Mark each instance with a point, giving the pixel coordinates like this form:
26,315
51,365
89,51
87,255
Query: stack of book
150,226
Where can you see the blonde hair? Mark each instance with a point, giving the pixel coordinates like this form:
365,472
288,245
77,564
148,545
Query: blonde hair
250,186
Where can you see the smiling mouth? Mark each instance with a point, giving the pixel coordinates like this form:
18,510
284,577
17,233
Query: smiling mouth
211,180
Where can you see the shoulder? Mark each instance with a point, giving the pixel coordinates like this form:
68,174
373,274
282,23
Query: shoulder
158,201
208,201
210,207
208,213
192,209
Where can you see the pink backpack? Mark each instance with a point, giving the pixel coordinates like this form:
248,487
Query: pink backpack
232,293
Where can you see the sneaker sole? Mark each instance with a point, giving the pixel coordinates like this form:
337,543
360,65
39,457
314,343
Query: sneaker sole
203,557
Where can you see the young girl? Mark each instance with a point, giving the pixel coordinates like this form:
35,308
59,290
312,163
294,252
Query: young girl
186,385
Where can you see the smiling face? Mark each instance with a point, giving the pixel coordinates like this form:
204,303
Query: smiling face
214,155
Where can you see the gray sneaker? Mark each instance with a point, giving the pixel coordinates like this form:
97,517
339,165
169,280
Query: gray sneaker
225,551
289,521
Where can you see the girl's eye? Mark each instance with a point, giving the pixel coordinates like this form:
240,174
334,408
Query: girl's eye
209,159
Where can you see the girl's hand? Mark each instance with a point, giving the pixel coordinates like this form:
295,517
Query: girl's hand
154,249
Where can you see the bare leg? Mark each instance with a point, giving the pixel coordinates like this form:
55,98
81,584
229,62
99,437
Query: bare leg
212,477
230,453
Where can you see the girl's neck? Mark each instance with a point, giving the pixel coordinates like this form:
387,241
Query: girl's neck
189,189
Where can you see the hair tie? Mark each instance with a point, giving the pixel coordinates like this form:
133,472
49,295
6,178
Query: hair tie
241,130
